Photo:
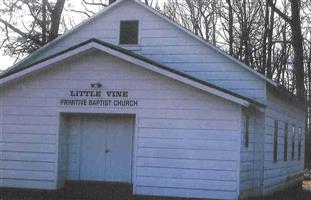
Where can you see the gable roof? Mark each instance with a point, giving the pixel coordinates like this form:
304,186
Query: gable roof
131,57
26,61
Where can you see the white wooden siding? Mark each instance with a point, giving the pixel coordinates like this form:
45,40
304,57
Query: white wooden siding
252,156
178,129
277,173
163,42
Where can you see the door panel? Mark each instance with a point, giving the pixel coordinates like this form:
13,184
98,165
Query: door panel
93,146
119,145
73,151
100,148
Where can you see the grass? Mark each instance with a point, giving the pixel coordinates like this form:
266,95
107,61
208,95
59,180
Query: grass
94,191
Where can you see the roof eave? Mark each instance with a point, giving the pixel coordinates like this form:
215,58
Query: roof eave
135,59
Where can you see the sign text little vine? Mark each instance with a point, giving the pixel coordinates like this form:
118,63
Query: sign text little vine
98,98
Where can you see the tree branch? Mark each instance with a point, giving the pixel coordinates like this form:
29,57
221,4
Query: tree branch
16,30
49,7
94,3
279,12
82,12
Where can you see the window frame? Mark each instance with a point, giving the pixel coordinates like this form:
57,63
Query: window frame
293,142
121,42
246,131
299,142
275,141
285,141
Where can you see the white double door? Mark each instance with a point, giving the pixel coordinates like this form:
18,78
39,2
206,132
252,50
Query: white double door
104,147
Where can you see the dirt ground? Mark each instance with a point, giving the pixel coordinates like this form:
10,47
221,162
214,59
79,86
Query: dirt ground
303,193
116,192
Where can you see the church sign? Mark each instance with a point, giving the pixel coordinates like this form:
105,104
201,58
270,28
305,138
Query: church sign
99,98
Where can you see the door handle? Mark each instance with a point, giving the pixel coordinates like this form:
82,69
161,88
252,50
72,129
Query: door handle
107,151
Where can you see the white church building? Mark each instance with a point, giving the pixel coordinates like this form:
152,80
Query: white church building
130,96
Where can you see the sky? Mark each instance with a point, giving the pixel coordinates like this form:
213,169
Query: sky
5,62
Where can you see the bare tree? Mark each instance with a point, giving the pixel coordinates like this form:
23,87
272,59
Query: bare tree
297,42
40,27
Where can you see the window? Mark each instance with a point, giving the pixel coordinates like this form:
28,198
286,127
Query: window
299,143
246,131
275,143
285,141
129,32
293,143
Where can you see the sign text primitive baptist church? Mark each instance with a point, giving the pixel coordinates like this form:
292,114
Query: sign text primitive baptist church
99,98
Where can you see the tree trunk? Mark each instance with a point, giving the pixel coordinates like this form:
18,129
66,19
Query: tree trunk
230,17
308,130
214,21
245,35
264,39
270,40
56,17
297,42
43,23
